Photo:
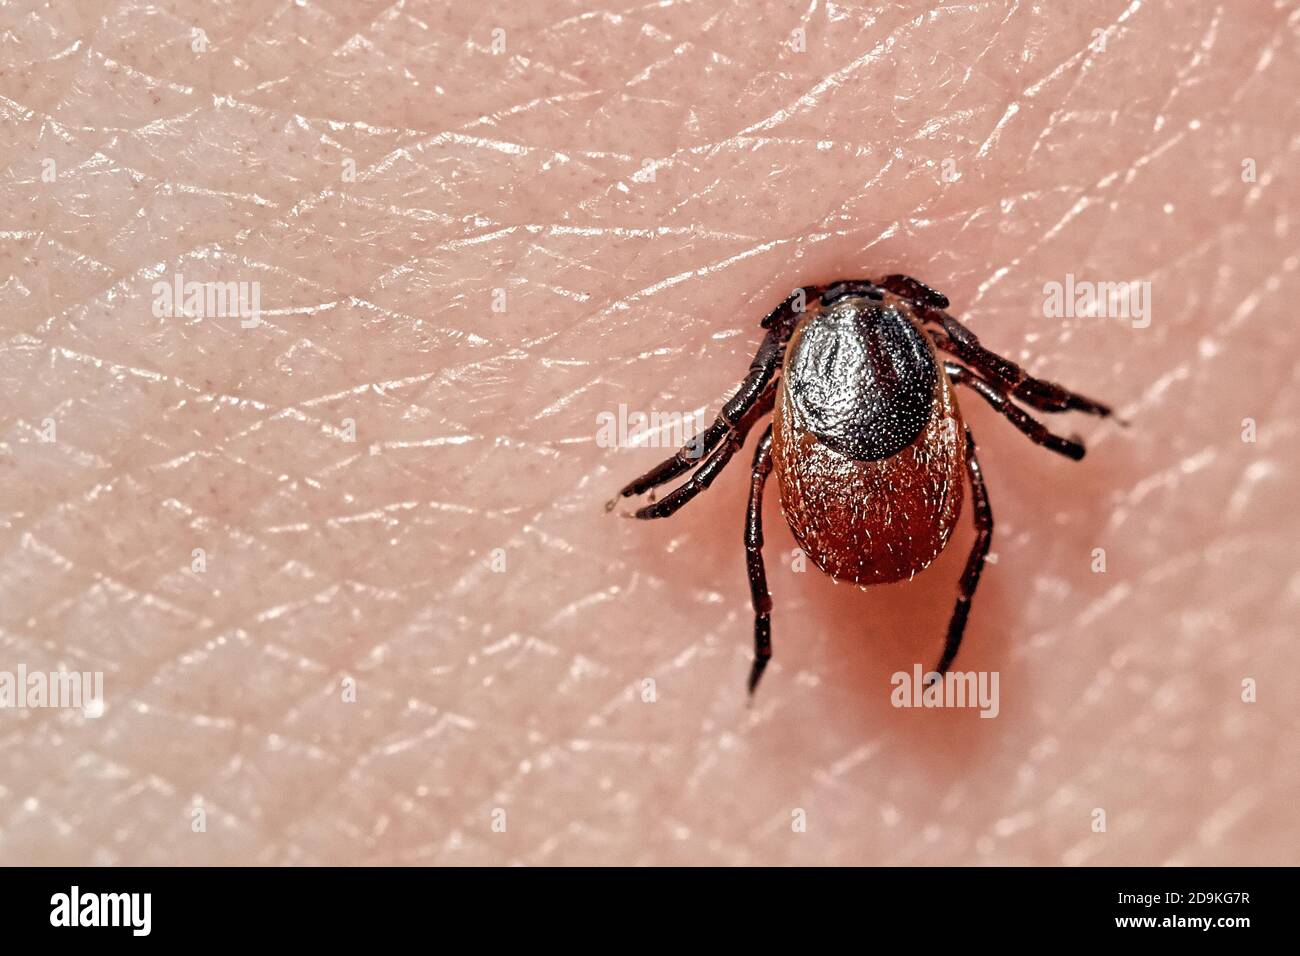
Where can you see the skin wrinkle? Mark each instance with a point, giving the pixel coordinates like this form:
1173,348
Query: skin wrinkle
522,690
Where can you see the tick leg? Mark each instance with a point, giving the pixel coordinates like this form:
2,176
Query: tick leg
780,324
914,290
1035,392
960,341
703,476
1000,400
761,372
781,320
970,578
762,598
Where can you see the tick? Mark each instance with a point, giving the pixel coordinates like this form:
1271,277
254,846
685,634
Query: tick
866,438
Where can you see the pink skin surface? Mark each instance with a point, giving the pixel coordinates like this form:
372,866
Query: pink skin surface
643,181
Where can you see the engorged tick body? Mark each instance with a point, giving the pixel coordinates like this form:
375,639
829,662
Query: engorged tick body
866,440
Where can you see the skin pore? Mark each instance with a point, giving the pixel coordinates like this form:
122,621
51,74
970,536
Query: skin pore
414,635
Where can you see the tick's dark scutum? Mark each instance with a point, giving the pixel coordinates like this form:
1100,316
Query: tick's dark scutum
862,377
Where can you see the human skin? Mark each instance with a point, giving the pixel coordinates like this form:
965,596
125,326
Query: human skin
432,645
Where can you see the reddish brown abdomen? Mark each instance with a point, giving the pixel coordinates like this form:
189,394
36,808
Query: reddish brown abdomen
872,522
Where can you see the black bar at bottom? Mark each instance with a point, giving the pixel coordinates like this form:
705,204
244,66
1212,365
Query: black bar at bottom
336,906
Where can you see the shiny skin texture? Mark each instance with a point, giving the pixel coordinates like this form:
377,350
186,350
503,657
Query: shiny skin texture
872,521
